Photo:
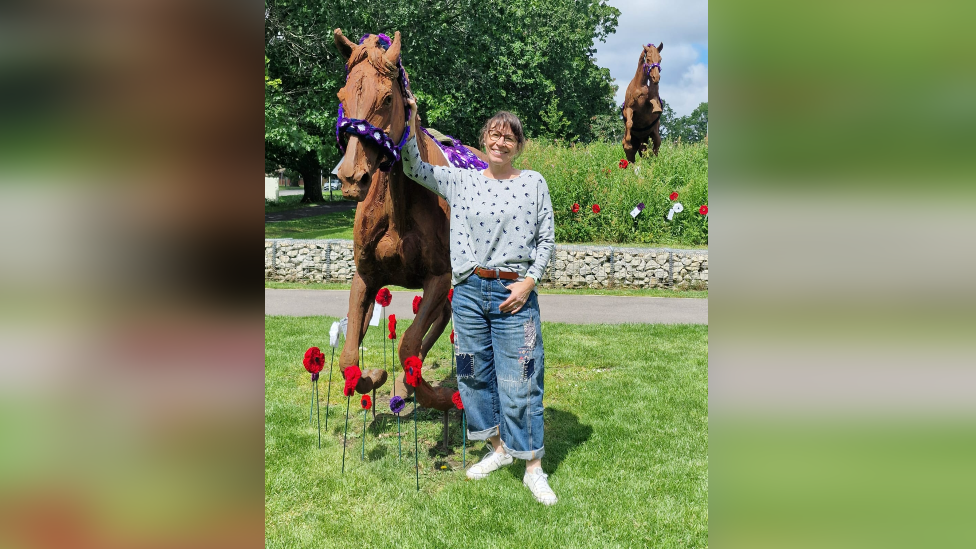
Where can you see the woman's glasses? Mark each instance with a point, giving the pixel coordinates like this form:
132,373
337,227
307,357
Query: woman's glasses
495,136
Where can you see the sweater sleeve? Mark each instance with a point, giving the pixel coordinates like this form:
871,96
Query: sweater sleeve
545,234
439,179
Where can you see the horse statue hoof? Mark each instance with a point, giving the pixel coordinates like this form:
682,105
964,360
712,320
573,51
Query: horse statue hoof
372,379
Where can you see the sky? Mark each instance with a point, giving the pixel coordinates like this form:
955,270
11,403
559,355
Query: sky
683,27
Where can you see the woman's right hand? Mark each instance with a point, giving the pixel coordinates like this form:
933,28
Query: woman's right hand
412,105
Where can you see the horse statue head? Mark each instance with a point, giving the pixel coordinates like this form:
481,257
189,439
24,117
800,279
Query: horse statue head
371,128
651,60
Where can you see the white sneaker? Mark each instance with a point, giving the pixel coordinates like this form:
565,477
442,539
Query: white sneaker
537,483
492,462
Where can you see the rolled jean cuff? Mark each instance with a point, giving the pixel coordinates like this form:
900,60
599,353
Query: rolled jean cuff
483,435
527,455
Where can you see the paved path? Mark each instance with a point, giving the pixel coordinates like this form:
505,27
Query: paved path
574,309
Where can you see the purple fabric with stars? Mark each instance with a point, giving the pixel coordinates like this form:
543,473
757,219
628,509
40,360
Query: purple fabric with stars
495,223
458,155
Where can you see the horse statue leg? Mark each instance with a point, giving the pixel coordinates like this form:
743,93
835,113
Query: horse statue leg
360,306
420,337
629,149
656,135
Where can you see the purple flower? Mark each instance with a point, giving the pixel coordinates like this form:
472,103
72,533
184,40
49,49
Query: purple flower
315,376
396,404
640,206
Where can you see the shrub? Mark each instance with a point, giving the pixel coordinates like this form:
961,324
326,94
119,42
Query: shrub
589,174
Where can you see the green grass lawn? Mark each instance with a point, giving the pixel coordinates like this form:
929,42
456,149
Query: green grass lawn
626,449
638,292
333,225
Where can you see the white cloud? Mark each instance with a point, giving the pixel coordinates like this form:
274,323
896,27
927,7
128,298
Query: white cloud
681,26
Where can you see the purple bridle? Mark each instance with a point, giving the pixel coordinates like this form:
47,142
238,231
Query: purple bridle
649,66
369,132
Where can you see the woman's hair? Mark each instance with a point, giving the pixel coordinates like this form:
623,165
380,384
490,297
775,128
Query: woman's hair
500,120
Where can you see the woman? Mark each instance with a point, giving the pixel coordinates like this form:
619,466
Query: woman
501,240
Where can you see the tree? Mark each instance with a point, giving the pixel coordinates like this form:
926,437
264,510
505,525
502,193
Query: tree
690,129
466,60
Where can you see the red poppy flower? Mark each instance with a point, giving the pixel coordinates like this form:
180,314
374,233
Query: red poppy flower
392,327
456,399
596,208
703,210
352,375
674,196
412,371
450,294
452,337
576,207
623,163
416,303
314,360
366,403
384,297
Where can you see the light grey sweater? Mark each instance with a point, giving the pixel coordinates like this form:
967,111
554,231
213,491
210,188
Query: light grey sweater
495,223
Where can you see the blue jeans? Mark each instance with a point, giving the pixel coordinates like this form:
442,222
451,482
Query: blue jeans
500,366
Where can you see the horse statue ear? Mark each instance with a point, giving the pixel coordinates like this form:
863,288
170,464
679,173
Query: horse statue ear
660,47
393,53
344,45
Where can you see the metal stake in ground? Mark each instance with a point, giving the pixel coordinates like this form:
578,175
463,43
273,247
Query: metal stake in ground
344,435
416,457
329,395
318,418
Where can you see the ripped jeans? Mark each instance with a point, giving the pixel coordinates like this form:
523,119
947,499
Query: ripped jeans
500,365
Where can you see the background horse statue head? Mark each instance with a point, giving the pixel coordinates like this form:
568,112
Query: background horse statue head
650,62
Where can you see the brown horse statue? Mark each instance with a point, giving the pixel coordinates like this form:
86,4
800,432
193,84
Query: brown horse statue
401,231
643,105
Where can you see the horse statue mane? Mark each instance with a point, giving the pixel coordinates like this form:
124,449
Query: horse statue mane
643,106
401,231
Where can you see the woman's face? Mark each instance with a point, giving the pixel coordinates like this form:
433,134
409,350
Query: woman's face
501,144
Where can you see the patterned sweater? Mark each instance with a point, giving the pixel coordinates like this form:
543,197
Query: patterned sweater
495,223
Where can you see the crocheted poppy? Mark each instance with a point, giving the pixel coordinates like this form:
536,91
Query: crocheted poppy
365,403
352,375
576,207
396,404
450,294
456,399
623,163
596,208
392,327
703,210
452,337
673,196
411,369
416,303
314,360
384,297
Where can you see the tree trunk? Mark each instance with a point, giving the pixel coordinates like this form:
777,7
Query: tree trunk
311,172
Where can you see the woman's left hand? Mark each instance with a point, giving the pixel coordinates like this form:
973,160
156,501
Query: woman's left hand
521,291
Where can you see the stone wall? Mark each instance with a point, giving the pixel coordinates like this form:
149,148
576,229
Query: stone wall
287,260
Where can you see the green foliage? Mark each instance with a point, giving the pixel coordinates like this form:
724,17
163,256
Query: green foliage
687,129
589,174
466,61
626,415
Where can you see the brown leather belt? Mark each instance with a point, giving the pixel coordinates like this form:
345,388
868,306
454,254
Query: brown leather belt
495,273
